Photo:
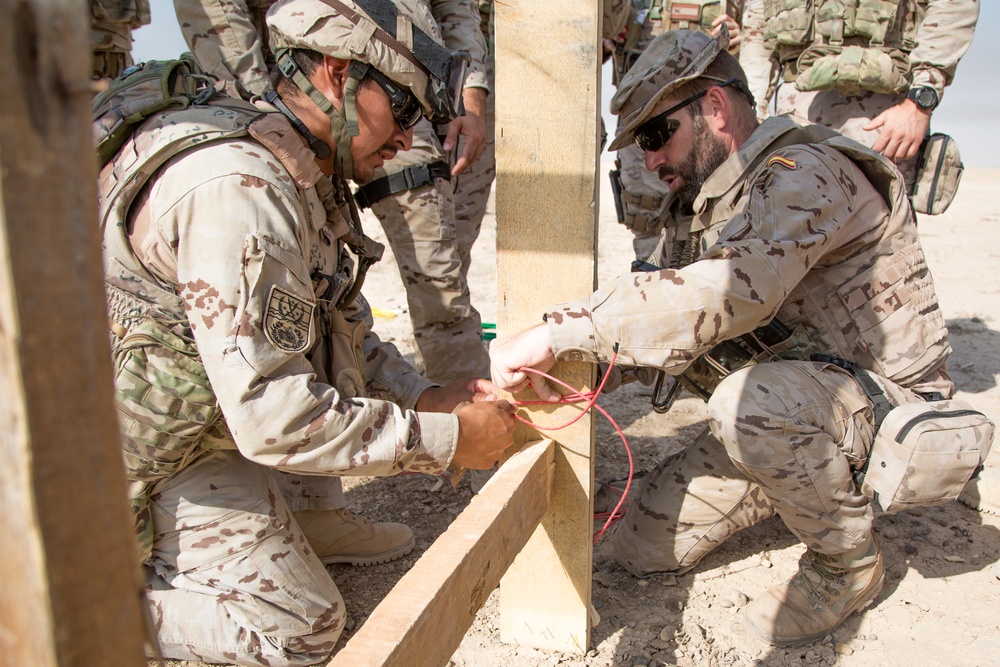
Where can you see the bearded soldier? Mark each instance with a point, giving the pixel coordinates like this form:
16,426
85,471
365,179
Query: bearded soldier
809,250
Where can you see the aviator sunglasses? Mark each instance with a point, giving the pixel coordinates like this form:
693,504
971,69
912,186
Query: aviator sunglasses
656,132
405,108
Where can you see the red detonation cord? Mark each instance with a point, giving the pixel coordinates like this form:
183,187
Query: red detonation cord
591,398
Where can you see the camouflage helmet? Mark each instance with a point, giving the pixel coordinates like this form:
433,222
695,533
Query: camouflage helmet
398,39
671,59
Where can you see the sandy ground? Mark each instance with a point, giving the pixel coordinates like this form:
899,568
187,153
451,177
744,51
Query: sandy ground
941,598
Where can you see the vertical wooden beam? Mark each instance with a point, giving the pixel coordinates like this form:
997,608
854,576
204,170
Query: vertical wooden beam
69,593
547,101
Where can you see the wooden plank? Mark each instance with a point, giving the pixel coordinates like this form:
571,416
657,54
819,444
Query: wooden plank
70,592
547,108
424,617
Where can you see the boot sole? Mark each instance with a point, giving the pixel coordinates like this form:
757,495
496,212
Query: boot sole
979,505
797,641
370,559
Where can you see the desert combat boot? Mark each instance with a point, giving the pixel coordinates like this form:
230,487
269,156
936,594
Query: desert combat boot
825,591
341,536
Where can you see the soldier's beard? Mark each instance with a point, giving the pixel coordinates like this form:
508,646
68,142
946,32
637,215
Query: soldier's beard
707,153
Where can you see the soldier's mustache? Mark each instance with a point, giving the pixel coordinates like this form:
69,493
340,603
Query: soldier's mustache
666,172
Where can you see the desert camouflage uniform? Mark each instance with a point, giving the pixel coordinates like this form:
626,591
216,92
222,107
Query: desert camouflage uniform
420,224
929,36
111,26
472,187
644,196
826,243
243,386
431,244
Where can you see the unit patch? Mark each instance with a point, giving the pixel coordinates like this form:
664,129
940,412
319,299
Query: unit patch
288,320
786,162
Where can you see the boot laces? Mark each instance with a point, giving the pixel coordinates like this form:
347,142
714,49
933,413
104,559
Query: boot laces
820,577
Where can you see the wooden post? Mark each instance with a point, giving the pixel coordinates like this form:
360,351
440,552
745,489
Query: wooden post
548,57
69,593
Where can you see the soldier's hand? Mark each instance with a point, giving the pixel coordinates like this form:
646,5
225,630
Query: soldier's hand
449,397
529,349
485,430
472,126
903,128
734,30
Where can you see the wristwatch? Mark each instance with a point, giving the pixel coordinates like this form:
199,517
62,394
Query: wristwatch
924,97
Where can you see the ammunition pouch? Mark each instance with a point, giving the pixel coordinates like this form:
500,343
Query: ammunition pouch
640,213
852,69
845,48
401,181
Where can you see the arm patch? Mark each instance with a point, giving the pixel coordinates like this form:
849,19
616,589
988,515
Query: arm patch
288,320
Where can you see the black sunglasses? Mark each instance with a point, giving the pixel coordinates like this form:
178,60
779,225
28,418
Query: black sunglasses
656,132
405,107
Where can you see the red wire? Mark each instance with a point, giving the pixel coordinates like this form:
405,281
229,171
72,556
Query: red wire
591,398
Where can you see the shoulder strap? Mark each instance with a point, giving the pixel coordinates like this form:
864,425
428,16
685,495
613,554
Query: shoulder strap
145,150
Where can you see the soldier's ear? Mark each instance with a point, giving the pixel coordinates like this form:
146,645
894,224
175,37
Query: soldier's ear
717,107
331,76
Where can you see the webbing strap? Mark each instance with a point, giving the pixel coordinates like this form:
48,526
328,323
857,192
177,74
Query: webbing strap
407,179
880,402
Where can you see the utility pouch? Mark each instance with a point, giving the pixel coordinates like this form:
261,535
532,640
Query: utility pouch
939,171
925,454
345,355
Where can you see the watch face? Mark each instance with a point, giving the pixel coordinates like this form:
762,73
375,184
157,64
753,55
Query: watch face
926,98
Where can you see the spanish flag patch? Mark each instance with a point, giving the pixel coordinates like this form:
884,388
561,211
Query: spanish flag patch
786,162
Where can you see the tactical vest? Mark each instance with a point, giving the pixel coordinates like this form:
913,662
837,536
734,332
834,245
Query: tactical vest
168,412
843,45
890,291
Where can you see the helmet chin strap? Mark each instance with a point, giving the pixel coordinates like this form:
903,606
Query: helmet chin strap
343,123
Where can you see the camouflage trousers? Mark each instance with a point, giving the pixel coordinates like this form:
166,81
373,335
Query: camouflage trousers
847,115
473,186
421,228
783,437
231,577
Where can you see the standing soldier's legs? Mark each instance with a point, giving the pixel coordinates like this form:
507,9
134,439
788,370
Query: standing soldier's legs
231,577
689,504
420,227
642,198
845,114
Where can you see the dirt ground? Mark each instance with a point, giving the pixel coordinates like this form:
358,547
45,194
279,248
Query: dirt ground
941,597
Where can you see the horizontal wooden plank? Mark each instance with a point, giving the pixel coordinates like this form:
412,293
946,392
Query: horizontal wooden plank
424,617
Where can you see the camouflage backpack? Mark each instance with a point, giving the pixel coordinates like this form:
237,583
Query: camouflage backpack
141,91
